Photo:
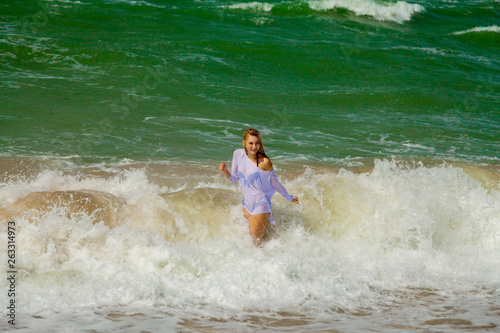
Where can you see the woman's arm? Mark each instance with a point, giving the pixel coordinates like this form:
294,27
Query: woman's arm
223,168
233,175
282,190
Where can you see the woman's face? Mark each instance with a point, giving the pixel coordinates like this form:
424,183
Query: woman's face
251,144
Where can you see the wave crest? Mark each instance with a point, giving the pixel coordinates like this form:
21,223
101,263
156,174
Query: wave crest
493,28
399,12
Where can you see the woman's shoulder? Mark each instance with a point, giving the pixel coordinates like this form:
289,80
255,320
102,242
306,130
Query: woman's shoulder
239,152
266,164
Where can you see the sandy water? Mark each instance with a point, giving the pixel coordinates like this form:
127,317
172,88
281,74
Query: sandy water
391,246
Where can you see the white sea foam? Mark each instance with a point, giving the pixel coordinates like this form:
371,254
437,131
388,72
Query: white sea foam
138,3
493,28
357,241
399,12
261,6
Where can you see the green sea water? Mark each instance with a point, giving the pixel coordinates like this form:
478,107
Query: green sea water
324,81
114,115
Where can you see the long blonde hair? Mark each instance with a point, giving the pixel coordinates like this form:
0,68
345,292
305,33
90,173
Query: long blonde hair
256,133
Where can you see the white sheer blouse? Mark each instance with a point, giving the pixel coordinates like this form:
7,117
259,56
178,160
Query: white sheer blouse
258,186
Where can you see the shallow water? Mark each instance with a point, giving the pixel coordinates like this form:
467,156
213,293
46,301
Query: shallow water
399,245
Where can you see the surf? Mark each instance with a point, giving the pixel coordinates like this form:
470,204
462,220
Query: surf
166,236
399,12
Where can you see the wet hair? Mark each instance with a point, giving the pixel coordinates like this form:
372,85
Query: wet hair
256,133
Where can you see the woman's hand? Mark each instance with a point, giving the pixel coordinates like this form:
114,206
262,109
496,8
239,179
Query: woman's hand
223,168
295,199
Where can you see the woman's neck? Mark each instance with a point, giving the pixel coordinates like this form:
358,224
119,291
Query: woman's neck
253,157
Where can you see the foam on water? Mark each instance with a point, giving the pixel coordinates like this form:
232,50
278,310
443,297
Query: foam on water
493,28
263,6
359,242
399,12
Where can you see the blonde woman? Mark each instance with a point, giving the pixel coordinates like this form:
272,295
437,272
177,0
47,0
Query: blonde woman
254,171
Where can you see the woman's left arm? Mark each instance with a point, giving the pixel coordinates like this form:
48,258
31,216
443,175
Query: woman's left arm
282,190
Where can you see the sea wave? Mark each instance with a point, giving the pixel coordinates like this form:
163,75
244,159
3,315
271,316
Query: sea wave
399,12
173,235
493,29
258,6
136,3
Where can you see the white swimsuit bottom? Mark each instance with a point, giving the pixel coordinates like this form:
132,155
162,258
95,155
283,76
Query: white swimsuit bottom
259,209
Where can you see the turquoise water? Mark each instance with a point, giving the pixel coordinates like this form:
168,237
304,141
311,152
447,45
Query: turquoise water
323,80
381,116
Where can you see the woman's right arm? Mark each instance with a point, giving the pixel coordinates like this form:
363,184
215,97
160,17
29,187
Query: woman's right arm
233,175
223,168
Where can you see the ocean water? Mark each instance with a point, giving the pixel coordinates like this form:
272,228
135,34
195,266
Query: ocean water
381,116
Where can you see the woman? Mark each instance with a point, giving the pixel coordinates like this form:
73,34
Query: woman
254,171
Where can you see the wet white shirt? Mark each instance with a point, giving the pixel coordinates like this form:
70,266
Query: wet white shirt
258,186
